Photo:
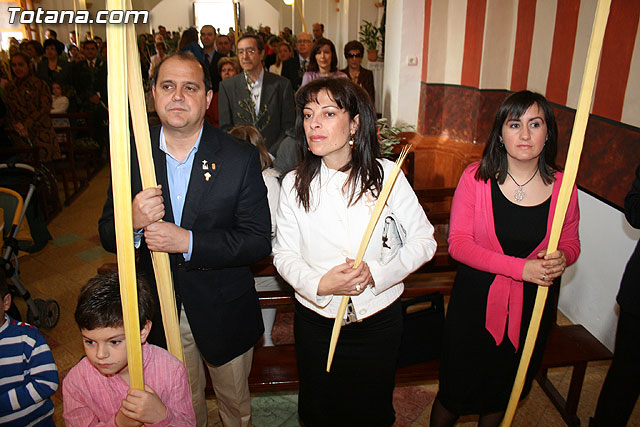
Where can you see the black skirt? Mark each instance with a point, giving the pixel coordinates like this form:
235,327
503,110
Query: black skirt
476,375
359,389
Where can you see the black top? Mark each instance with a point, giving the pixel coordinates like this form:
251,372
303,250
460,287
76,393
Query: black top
476,375
629,294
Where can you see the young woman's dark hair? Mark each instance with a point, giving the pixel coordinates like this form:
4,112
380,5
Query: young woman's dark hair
494,157
313,63
189,36
365,173
99,304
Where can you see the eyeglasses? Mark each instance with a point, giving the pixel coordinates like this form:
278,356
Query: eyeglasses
305,41
353,55
249,51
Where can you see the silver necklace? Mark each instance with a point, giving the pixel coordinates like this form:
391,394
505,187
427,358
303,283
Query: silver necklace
519,194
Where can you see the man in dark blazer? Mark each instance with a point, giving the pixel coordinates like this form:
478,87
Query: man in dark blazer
295,67
256,97
223,49
213,203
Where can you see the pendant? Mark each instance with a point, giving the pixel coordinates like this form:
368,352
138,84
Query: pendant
518,195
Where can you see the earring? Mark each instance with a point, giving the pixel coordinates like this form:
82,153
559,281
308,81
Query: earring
351,140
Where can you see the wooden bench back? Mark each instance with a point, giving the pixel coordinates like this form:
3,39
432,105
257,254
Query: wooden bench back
439,161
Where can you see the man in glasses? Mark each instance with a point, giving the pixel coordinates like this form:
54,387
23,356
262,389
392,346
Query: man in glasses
256,97
295,67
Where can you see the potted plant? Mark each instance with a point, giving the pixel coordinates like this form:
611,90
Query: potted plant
370,35
389,136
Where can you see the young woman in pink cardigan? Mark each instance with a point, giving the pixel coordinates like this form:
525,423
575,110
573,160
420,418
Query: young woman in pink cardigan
499,230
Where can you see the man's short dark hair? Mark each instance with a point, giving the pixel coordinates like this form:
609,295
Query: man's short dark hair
225,36
258,40
52,33
184,56
88,42
99,304
211,26
97,38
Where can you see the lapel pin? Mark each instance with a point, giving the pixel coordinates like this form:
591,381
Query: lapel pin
207,176
213,166
204,165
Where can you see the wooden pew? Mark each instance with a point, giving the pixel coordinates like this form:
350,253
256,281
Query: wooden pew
275,368
80,163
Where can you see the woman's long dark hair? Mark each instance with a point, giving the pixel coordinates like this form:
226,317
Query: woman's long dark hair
494,162
365,173
313,63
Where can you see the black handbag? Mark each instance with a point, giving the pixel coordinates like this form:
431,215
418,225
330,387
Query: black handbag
422,332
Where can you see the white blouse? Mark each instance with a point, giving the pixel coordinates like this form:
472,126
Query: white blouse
308,244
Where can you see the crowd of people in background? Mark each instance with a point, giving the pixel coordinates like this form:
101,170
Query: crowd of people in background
56,78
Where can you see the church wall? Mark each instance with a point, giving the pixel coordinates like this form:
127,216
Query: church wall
541,45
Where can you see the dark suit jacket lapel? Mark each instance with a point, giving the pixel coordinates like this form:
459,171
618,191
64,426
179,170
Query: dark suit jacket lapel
160,164
268,90
199,186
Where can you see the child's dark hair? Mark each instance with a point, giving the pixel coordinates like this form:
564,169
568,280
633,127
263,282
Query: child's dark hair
99,304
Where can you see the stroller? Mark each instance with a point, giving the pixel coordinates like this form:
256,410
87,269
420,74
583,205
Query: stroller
42,313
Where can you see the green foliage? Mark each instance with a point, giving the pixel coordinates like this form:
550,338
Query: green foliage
389,136
370,35
248,115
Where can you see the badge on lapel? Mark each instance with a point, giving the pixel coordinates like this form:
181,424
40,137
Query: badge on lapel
207,176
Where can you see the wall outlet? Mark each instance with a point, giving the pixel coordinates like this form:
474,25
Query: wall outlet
412,60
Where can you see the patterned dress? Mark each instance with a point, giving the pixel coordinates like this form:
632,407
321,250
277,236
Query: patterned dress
29,102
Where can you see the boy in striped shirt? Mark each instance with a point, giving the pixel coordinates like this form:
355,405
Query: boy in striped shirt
96,391
29,374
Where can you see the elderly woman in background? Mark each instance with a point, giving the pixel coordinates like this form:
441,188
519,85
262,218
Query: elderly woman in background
325,207
51,69
323,62
228,66
284,52
28,101
33,50
501,218
353,52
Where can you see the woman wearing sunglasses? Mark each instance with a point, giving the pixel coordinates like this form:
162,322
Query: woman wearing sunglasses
353,51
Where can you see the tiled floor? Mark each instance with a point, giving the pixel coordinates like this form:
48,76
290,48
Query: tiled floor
64,265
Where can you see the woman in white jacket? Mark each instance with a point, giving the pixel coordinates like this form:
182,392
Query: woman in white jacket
325,206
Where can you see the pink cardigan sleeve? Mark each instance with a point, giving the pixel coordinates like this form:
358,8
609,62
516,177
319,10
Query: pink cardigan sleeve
472,240
569,242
